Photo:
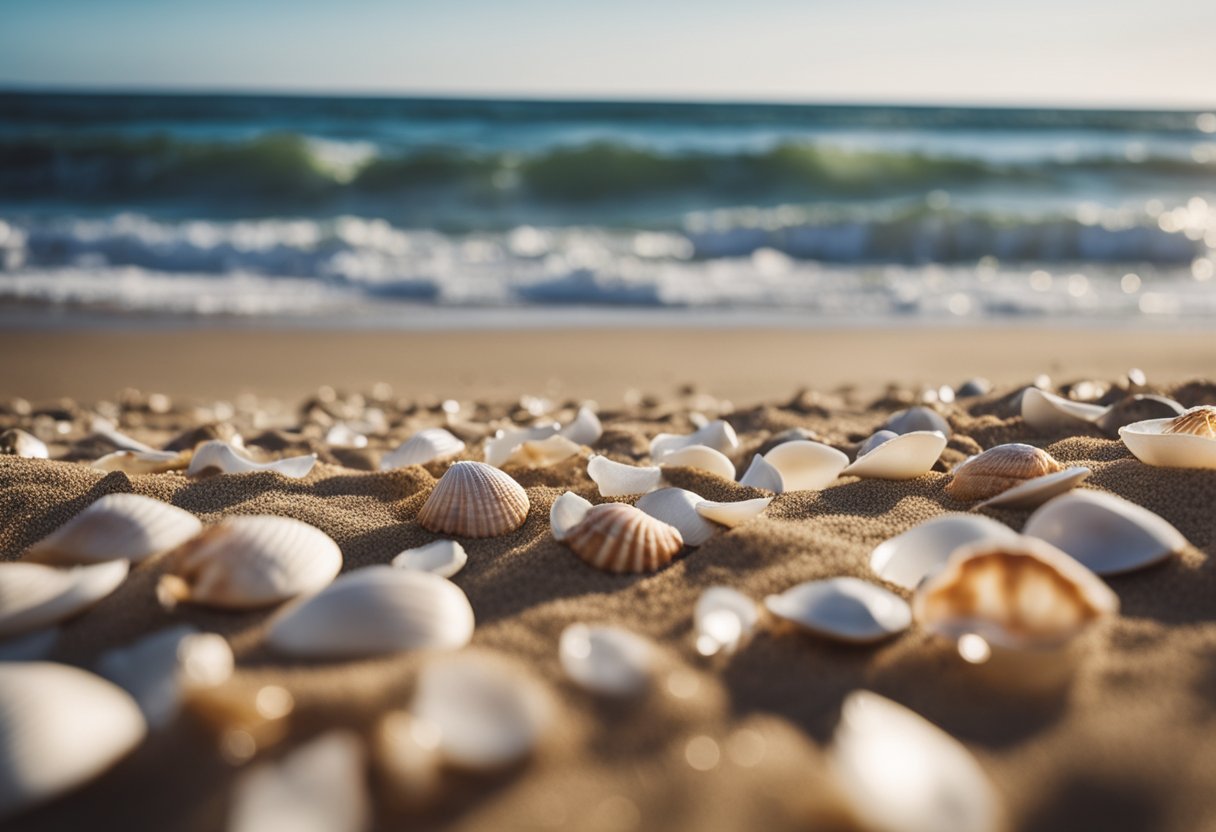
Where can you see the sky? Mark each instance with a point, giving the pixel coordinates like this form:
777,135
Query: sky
1061,52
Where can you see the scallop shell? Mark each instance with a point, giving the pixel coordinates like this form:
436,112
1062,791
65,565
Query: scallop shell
1159,442
424,446
1039,490
17,442
30,647
718,435
733,514
250,562
999,469
616,479
504,443
1137,408
762,474
372,611
703,458
143,462
907,559
916,419
541,453
221,455
1105,533
610,661
722,619
902,457
585,429
60,727
678,508
473,499
125,526
567,512
619,538
844,609
805,465
33,596
1048,412
442,557
1198,421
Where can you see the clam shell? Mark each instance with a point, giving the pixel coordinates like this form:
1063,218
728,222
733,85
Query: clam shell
1048,412
541,453
424,446
251,562
999,469
473,499
1198,421
616,479
504,443
143,462
610,661
906,559
115,526
1105,533
19,443
442,557
1150,443
902,457
372,611
916,419
762,474
874,441
733,514
1137,409
567,512
585,429
33,596
1039,490
619,538
718,435
221,455
678,507
722,619
704,458
844,609
30,647
806,466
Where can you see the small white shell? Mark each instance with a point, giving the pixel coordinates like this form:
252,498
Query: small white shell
125,526
541,453
1150,443
907,559
372,611
33,596
20,443
917,419
761,474
473,499
845,609
678,507
221,455
616,479
610,661
31,647
499,449
59,728
585,429
143,462
1035,492
901,457
567,512
718,435
733,514
1105,533
722,619
704,458
424,446
805,465
442,557
1048,412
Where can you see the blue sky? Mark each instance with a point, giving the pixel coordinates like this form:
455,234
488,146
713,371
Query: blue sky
1083,52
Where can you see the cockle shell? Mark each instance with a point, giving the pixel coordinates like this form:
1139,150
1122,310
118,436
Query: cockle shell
473,499
59,728
585,429
906,559
1048,412
541,453
1137,408
805,465
762,474
718,435
845,609
221,455
424,446
902,457
143,462
505,441
733,514
250,562
1180,442
1198,421
567,512
442,557
678,507
607,660
372,611
115,526
616,479
916,419
722,619
33,596
619,538
999,469
704,458
19,443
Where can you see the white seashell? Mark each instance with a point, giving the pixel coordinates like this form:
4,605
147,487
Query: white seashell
250,562
1035,492
722,619
718,435
874,441
902,457
504,443
1048,412
678,508
733,514
486,712
372,611
619,538
901,773
221,455
33,596
616,479
319,787
1159,442
845,609
541,453
917,419
907,559
805,465
473,499
585,429
606,660
567,512
31,647
424,446
116,526
20,443
442,557
703,458
342,435
60,727
142,462
1105,533
106,430
762,474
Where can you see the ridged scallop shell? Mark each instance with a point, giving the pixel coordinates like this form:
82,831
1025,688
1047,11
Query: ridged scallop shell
762,474
733,514
999,469
541,453
1198,421
844,609
60,727
33,596
506,441
372,611
900,457
586,428
143,462
567,512
250,562
616,479
722,619
718,435
703,458
473,499
442,557
619,538
917,419
19,443
906,559
805,465
1159,442
677,507
610,661
1048,412
424,446
125,526
221,455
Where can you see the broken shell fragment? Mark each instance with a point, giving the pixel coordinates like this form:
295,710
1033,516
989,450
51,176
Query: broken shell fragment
1039,490
619,538
503,444
762,474
844,609
442,557
585,429
999,469
221,455
916,419
733,514
567,512
805,465
718,435
473,499
722,619
424,446
1137,408
610,661
541,453
16,442
678,508
33,596
143,462
703,458
125,526
1048,412
901,457
1180,442
616,479
907,559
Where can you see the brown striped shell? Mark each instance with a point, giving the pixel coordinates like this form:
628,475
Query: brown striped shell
999,469
473,499
1198,421
619,538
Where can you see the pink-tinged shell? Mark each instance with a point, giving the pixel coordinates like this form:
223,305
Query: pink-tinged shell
619,538
999,469
1198,421
473,499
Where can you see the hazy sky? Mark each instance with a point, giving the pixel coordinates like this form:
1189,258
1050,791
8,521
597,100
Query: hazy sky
1085,52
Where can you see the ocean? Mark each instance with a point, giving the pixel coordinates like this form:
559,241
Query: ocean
410,212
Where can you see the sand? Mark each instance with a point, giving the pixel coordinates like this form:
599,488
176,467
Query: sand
1127,746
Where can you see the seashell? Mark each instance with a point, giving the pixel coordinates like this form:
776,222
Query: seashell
372,611
105,430
704,458
733,514
916,419
845,609
1039,490
250,562
567,512
606,660
907,559
486,712
903,457
504,443
473,499
319,787
31,647
143,462
874,441
1198,421
718,435
159,670
342,435
1048,412
33,596
973,387
762,474
541,453
116,526
1173,443
1137,408
442,557
616,479
999,469
619,538
901,773
585,429
16,442
1105,533
722,619
424,446
678,508
806,466
217,454
60,727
